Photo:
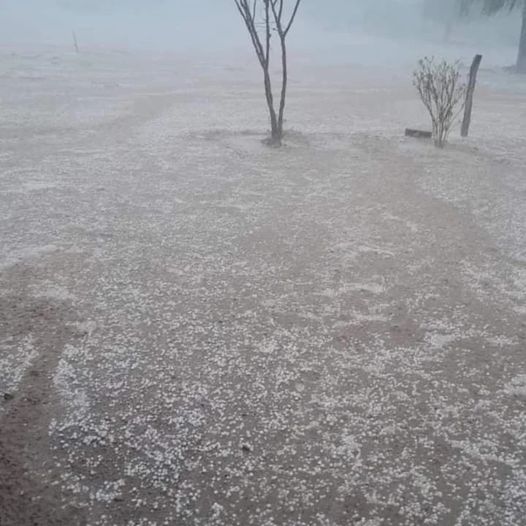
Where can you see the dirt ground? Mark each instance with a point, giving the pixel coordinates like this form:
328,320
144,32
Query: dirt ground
198,330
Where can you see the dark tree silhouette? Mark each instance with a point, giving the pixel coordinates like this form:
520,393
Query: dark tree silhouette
490,7
263,18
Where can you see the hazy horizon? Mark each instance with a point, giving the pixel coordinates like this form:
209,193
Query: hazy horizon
384,32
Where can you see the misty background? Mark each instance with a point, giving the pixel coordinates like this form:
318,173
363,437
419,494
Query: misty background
378,32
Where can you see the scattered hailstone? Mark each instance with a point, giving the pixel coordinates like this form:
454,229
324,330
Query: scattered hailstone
517,386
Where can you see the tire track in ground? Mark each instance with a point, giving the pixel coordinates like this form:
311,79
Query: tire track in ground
24,444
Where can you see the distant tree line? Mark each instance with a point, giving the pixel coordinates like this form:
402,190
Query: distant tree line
491,7
448,11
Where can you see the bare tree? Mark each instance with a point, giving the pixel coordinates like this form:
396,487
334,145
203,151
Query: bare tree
262,18
443,93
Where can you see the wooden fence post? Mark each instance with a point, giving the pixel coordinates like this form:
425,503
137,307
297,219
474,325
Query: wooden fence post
469,95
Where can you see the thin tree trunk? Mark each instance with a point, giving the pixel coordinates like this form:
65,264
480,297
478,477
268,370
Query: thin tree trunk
521,60
270,104
275,137
285,79
469,95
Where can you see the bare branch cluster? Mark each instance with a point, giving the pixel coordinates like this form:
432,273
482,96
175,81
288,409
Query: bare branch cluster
262,18
443,93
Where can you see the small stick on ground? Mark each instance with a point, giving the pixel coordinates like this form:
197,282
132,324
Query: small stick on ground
419,134
469,95
75,42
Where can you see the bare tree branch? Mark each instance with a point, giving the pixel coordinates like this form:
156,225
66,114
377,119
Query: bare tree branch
293,16
249,19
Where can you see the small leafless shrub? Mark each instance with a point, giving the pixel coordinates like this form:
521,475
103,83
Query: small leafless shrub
443,93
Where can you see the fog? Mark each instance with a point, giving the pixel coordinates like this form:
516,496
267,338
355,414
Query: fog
356,31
